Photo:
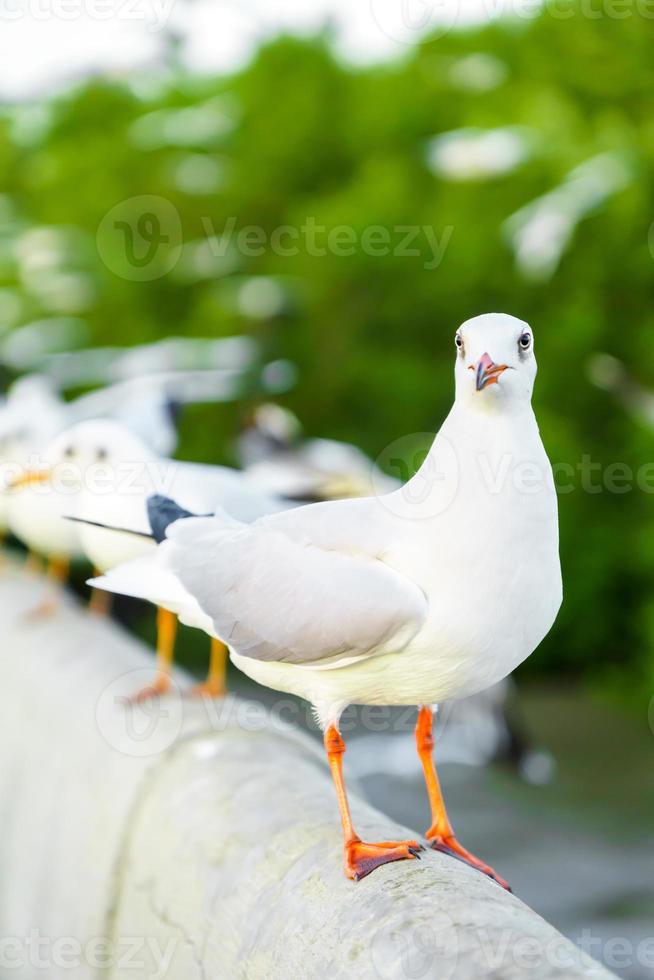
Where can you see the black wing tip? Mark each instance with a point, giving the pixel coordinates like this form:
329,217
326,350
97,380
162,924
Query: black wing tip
162,512
108,527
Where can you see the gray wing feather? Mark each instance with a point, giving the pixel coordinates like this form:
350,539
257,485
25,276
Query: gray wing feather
273,598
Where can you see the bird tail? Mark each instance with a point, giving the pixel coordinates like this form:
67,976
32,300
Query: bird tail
162,512
111,527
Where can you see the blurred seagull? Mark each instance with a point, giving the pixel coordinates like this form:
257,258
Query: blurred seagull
31,414
34,412
57,347
610,374
147,578
485,729
430,593
110,479
30,419
273,451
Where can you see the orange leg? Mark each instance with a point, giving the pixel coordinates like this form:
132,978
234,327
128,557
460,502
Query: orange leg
57,574
441,835
360,858
99,600
215,685
166,635
33,564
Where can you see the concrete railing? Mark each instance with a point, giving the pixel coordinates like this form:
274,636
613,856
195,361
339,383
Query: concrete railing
197,840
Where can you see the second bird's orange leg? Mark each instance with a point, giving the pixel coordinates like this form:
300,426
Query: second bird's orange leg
360,858
57,576
33,564
215,685
166,635
99,600
441,835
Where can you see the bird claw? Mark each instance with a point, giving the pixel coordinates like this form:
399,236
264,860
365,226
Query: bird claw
209,689
160,686
361,858
46,609
452,848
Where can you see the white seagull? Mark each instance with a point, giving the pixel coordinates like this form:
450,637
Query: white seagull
273,451
433,592
100,473
146,577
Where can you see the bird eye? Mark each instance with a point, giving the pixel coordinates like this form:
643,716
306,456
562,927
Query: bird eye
69,452
525,341
101,454
458,342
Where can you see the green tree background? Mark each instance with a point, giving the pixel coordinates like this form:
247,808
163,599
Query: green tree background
296,135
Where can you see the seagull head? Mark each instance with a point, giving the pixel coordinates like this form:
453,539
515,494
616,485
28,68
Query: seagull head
73,454
495,363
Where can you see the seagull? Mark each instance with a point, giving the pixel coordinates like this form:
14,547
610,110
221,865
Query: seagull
30,416
610,374
428,594
34,413
144,577
105,477
273,451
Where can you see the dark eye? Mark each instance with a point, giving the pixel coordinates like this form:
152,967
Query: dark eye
69,452
458,342
525,341
101,454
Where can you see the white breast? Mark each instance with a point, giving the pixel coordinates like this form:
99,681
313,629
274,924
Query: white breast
491,571
484,551
36,517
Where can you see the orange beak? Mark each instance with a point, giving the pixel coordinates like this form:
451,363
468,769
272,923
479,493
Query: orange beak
486,371
29,479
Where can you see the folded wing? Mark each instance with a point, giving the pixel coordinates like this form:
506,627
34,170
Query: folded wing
146,578
274,598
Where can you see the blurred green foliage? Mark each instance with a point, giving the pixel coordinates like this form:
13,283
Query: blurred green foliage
298,135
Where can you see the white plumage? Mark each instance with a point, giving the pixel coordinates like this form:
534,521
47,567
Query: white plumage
145,578
405,602
274,452
101,471
432,592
